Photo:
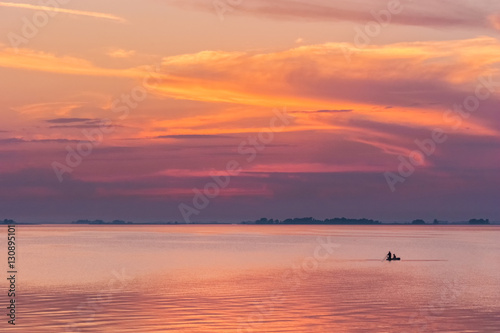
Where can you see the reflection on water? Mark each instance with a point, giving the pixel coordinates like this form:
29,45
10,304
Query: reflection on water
258,279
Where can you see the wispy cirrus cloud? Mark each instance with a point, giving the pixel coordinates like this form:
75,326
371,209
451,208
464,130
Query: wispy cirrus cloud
120,53
27,59
192,136
22,140
323,111
428,13
67,120
63,10
76,123
82,126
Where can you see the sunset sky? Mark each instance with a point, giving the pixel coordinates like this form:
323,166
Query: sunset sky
123,109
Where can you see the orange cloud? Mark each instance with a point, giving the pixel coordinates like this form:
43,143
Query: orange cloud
27,59
410,84
120,53
415,79
244,78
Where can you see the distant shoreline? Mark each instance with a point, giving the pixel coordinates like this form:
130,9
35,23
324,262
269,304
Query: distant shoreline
265,221
251,224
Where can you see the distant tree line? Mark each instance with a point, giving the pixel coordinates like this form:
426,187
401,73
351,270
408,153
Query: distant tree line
297,221
479,221
343,220
310,220
471,221
100,222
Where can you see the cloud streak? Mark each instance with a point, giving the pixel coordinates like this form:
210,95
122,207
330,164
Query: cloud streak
63,10
21,140
68,120
428,13
27,59
192,136
323,111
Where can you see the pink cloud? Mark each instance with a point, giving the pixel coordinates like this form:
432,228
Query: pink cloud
495,21
427,13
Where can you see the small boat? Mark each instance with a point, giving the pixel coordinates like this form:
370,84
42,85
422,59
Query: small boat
391,259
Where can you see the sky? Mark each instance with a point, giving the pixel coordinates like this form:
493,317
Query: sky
232,110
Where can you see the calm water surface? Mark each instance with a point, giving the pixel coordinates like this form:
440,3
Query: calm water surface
256,279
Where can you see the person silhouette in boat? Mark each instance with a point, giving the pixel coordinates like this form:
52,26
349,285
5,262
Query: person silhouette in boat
391,256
